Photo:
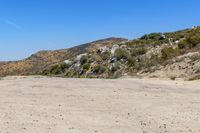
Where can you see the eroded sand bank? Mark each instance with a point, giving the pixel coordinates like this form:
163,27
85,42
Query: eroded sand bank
56,105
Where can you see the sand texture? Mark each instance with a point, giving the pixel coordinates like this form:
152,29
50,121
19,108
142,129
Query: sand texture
58,105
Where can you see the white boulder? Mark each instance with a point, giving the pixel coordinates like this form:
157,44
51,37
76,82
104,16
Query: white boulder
114,48
103,49
78,58
68,62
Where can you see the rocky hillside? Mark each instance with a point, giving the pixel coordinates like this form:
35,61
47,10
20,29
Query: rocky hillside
167,55
160,55
43,60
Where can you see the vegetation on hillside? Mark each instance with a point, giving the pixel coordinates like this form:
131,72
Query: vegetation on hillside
144,54
113,57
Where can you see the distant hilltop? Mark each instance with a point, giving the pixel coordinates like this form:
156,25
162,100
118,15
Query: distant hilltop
171,55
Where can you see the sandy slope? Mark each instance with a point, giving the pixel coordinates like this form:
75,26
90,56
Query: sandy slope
55,105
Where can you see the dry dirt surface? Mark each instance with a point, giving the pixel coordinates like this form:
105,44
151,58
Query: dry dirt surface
58,105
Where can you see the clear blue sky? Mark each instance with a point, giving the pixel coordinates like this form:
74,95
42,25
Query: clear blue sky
27,26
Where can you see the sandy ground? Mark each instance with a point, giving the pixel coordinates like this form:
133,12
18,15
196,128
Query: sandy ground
56,105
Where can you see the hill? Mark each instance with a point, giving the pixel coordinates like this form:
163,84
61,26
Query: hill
162,55
46,59
157,55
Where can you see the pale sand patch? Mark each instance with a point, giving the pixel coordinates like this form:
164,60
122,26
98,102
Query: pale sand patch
56,105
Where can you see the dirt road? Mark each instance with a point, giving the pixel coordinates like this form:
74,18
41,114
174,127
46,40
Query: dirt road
56,105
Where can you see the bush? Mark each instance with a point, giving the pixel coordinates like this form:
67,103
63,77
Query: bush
56,70
138,51
105,55
147,63
64,66
194,40
84,59
183,44
131,61
169,52
152,36
96,58
190,41
99,69
72,73
121,54
86,66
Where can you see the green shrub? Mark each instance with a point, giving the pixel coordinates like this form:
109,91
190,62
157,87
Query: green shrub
45,72
147,63
86,66
105,55
131,61
71,73
169,52
183,44
121,54
194,40
84,59
96,58
152,36
190,41
64,66
55,70
138,51
99,69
